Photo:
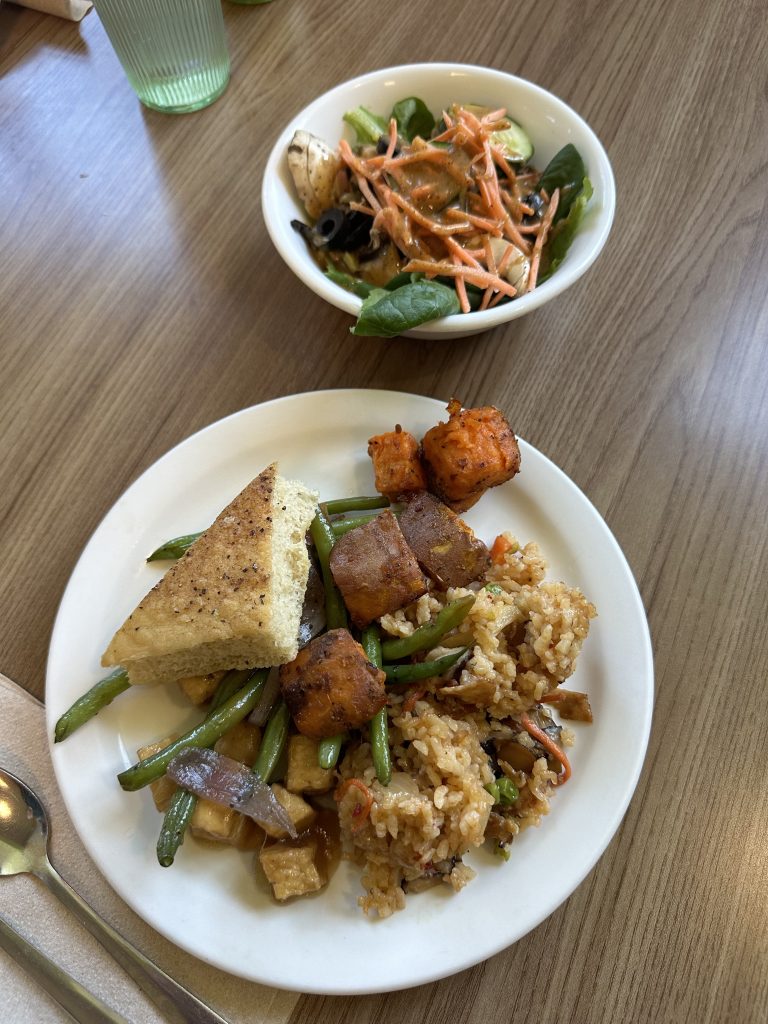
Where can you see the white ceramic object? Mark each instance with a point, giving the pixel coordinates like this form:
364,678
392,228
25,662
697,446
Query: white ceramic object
549,122
209,902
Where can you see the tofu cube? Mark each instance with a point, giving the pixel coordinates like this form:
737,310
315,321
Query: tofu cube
199,689
164,788
291,870
220,824
299,811
304,774
241,743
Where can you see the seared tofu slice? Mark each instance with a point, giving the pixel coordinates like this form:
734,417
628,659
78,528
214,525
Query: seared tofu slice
476,449
446,548
331,686
375,570
199,689
396,463
241,743
292,870
164,788
220,824
299,811
304,774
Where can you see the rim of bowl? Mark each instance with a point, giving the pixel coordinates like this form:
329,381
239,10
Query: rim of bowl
312,276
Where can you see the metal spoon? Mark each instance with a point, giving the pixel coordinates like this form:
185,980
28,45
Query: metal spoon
24,850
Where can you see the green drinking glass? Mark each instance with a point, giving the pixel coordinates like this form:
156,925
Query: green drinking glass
174,52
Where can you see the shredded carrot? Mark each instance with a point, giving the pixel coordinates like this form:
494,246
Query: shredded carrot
472,276
550,746
362,208
361,811
461,289
392,138
413,696
541,238
500,547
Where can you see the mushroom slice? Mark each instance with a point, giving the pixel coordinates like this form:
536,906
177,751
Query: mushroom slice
518,268
313,166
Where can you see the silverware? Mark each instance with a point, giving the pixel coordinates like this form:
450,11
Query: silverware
81,1004
24,850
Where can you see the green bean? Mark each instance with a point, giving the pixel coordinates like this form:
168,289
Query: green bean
342,526
273,741
421,669
335,612
91,703
339,505
322,535
427,636
328,750
174,548
175,823
203,734
379,724
182,806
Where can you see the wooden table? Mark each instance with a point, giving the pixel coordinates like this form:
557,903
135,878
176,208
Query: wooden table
141,299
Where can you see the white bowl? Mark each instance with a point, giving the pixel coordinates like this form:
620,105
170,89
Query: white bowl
549,122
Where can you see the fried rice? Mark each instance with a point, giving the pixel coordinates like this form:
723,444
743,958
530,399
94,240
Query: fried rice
448,735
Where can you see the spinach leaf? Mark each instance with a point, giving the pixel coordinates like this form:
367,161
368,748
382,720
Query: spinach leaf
385,314
562,236
565,171
368,127
413,118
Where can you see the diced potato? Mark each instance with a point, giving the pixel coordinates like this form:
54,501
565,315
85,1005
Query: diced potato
199,689
299,811
221,824
304,774
291,870
164,788
241,743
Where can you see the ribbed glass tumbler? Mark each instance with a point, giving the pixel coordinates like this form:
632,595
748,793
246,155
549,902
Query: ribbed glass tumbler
174,52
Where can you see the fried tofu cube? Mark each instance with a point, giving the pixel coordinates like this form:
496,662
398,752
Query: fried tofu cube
476,449
375,570
199,689
396,463
220,824
304,774
331,686
164,788
241,743
299,811
292,870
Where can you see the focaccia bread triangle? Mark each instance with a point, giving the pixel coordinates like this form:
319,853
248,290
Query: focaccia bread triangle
234,599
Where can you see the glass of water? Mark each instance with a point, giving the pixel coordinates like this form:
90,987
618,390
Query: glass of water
174,52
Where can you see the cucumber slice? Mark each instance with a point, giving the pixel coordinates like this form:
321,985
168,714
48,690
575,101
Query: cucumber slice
514,141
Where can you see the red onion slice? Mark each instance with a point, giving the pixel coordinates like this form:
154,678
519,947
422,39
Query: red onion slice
229,783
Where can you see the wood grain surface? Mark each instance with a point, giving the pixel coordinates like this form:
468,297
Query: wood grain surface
140,299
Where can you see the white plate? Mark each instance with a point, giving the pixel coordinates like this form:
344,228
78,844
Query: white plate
207,902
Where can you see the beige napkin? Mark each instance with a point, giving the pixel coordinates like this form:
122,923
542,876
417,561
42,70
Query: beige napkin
37,915
72,10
